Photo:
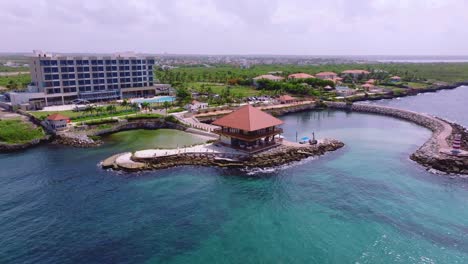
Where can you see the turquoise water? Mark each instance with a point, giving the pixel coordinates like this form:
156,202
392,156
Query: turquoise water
157,99
449,104
366,203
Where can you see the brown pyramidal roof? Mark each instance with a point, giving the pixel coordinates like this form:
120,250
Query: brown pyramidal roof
57,117
248,118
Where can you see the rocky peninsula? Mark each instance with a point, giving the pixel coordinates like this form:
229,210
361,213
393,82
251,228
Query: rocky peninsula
219,156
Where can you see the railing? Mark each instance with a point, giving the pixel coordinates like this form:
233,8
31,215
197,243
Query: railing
250,136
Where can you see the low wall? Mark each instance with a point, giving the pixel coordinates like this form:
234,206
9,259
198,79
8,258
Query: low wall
15,147
428,155
270,158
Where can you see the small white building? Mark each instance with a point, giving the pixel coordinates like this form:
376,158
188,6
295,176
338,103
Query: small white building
57,122
196,106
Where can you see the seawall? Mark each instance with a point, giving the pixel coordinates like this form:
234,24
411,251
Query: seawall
280,155
435,153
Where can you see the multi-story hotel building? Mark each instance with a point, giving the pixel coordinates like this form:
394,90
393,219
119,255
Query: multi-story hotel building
61,79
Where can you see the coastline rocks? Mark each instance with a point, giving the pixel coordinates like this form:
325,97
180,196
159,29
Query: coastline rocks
4,147
76,140
274,157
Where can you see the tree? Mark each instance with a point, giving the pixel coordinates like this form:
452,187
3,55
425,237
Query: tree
124,104
111,108
145,105
183,94
166,105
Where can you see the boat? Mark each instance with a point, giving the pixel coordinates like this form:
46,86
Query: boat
304,140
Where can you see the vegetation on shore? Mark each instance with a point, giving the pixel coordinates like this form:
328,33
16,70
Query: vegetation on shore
91,113
14,82
228,74
16,131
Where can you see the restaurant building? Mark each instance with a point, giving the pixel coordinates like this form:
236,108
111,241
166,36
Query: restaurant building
248,128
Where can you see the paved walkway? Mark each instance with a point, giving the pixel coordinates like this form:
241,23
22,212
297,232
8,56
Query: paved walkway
205,148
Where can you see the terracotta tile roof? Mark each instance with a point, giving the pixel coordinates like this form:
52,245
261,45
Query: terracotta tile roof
326,74
355,72
395,77
57,117
248,118
300,76
268,77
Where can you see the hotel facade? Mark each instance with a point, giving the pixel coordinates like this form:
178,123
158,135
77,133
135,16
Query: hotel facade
57,80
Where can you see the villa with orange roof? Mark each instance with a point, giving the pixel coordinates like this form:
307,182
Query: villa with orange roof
269,77
355,73
326,75
248,128
395,79
300,76
57,122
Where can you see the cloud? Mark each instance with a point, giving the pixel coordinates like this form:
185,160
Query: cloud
237,27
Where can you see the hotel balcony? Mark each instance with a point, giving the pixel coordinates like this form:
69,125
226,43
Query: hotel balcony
249,136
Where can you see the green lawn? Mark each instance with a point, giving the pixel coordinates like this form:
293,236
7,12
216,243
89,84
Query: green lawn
16,131
13,82
416,85
217,88
79,116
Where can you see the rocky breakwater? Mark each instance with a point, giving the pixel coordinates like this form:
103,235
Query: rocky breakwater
76,140
436,152
221,157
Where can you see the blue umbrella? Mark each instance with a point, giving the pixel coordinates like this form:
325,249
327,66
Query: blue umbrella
305,139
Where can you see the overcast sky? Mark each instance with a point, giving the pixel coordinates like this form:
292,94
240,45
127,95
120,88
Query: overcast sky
289,27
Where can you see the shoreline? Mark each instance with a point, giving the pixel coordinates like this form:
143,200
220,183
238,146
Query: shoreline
279,155
435,153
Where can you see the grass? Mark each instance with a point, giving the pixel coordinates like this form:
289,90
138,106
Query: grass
13,82
80,116
144,116
217,88
175,110
16,131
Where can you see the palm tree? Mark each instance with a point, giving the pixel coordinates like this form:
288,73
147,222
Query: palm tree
124,104
166,105
145,105
111,108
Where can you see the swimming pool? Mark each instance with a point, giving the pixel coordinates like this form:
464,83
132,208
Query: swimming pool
157,99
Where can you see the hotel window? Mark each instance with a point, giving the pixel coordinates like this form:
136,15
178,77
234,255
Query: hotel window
47,69
71,69
45,63
56,83
64,69
108,62
63,62
100,62
95,75
93,62
70,62
114,62
53,63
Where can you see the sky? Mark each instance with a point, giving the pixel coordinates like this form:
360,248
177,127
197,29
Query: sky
282,27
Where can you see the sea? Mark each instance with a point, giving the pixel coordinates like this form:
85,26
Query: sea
365,203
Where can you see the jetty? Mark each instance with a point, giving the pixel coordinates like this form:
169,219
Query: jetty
437,153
